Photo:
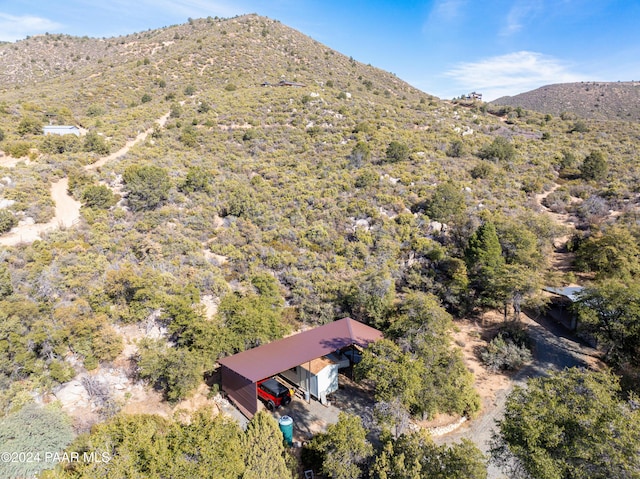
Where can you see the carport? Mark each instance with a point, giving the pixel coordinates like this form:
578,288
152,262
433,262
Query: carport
242,371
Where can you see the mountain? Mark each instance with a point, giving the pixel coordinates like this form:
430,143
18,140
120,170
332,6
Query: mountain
209,55
594,100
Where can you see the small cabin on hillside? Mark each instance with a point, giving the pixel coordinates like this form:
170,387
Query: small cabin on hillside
291,84
61,130
561,305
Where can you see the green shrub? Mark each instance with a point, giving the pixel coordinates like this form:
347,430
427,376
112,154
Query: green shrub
95,143
147,185
29,125
61,372
482,170
594,167
579,127
360,153
98,196
367,178
7,221
6,287
500,149
174,371
58,144
19,149
95,110
456,149
507,351
197,179
397,151
33,431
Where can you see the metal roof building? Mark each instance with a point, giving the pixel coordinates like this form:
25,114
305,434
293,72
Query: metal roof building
242,371
61,130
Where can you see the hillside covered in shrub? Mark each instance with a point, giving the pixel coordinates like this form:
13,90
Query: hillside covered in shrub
348,193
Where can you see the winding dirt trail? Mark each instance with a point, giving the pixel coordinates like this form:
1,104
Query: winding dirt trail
67,213
553,348
561,259
128,145
67,209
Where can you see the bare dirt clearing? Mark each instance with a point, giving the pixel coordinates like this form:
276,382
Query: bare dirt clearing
67,212
67,209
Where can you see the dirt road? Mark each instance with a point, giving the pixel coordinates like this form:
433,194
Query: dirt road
553,348
67,213
67,209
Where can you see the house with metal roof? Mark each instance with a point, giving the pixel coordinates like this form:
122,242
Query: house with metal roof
241,372
61,130
561,305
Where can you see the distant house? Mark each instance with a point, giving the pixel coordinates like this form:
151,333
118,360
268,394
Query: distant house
561,305
283,83
474,96
290,83
61,130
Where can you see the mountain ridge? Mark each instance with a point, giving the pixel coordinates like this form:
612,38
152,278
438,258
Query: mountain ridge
592,100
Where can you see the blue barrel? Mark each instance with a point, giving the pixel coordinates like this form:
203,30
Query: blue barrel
286,426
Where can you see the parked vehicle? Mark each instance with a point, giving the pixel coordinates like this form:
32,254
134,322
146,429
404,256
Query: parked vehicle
273,393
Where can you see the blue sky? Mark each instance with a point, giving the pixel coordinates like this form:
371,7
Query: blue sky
444,47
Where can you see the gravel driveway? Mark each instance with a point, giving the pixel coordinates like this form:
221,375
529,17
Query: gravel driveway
553,348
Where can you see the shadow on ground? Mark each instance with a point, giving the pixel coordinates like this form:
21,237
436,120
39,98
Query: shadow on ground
310,418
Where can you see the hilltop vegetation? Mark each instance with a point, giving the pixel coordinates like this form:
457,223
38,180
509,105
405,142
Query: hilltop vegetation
593,100
353,195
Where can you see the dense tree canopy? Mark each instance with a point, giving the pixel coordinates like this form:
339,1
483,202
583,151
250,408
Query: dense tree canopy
30,434
610,312
264,449
612,253
569,425
420,369
152,447
342,450
415,456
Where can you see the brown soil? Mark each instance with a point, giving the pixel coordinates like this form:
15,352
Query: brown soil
471,337
67,213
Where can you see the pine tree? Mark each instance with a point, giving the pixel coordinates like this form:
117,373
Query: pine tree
264,447
343,448
484,250
485,263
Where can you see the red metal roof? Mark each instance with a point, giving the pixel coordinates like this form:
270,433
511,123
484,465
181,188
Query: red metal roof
272,358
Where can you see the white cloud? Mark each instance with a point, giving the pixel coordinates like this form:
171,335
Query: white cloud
14,27
448,10
510,74
521,11
444,12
